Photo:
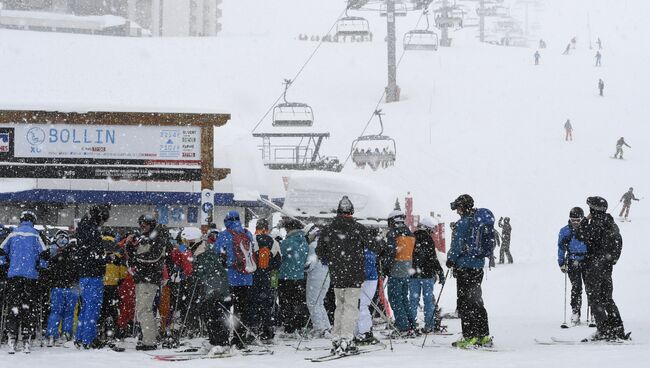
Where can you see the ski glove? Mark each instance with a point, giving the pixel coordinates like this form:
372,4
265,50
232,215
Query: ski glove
450,264
564,268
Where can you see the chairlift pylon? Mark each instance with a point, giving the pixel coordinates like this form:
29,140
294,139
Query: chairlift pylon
375,150
292,114
421,39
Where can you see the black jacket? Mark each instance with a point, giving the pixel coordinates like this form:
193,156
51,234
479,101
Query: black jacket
341,245
89,251
147,256
603,238
425,260
62,272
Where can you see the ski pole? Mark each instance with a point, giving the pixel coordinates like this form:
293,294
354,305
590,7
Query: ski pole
385,316
187,313
564,324
238,320
612,210
437,302
320,292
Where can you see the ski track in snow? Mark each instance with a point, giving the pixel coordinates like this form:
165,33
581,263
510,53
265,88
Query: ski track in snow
473,118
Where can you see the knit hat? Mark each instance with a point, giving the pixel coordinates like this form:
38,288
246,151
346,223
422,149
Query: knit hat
345,206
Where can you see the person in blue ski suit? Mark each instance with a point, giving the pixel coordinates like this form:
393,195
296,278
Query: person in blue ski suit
62,278
571,255
91,263
25,252
240,283
292,286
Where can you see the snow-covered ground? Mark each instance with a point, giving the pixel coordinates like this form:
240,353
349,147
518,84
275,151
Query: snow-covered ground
473,118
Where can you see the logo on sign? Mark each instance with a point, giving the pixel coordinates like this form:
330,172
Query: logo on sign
36,136
4,142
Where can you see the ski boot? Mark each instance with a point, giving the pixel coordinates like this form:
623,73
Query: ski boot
50,342
366,339
11,343
485,342
465,342
347,347
27,343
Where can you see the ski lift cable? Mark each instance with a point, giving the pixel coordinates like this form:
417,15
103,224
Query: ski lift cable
302,68
399,61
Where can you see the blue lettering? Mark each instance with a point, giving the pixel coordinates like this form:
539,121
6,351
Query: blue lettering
110,136
53,135
64,135
86,136
74,136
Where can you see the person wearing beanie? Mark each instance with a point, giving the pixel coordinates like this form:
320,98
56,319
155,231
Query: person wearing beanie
571,255
291,281
262,293
341,245
604,245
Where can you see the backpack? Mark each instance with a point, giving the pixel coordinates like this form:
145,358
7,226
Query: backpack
613,242
482,239
243,250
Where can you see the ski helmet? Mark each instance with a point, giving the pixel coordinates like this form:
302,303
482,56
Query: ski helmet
99,212
464,201
148,220
428,222
597,203
396,216
28,216
345,206
231,216
576,213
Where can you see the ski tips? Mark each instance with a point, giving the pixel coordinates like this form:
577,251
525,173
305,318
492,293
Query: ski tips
564,325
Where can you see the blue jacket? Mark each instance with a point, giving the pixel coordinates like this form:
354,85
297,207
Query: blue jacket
224,245
23,248
569,245
294,250
370,265
460,241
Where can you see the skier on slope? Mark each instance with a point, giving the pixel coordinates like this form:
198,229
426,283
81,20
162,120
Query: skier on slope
504,224
537,57
601,86
604,245
568,129
619,148
341,245
571,255
468,271
598,58
627,202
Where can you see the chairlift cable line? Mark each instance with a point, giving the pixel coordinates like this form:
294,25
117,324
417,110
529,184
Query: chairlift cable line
302,68
399,61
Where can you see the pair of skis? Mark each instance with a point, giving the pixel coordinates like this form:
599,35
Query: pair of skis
194,354
559,341
334,356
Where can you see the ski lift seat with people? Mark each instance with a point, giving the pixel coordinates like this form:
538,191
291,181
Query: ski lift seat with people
374,150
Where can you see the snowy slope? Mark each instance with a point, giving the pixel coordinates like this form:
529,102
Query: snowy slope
473,118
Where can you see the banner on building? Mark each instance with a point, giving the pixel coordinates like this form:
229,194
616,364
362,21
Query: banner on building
100,151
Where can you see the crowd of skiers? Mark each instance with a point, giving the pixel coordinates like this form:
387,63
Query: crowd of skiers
237,287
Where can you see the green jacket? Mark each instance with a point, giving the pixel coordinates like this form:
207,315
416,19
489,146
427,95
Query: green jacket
211,275
294,250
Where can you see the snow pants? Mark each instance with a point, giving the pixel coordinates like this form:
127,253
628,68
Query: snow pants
368,290
262,302
423,287
22,308
293,304
576,272
472,313
63,302
318,282
626,209
241,310
213,312
398,297
347,312
127,303
92,295
569,135
599,287
110,304
505,252
619,152
144,297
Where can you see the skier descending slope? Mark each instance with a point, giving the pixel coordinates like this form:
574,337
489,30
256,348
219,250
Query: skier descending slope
627,202
604,244
467,258
571,255
341,245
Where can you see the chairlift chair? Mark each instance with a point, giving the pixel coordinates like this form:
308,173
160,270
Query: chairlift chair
352,26
292,114
374,150
421,39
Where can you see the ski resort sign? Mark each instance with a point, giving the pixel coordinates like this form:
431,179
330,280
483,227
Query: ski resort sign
96,145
